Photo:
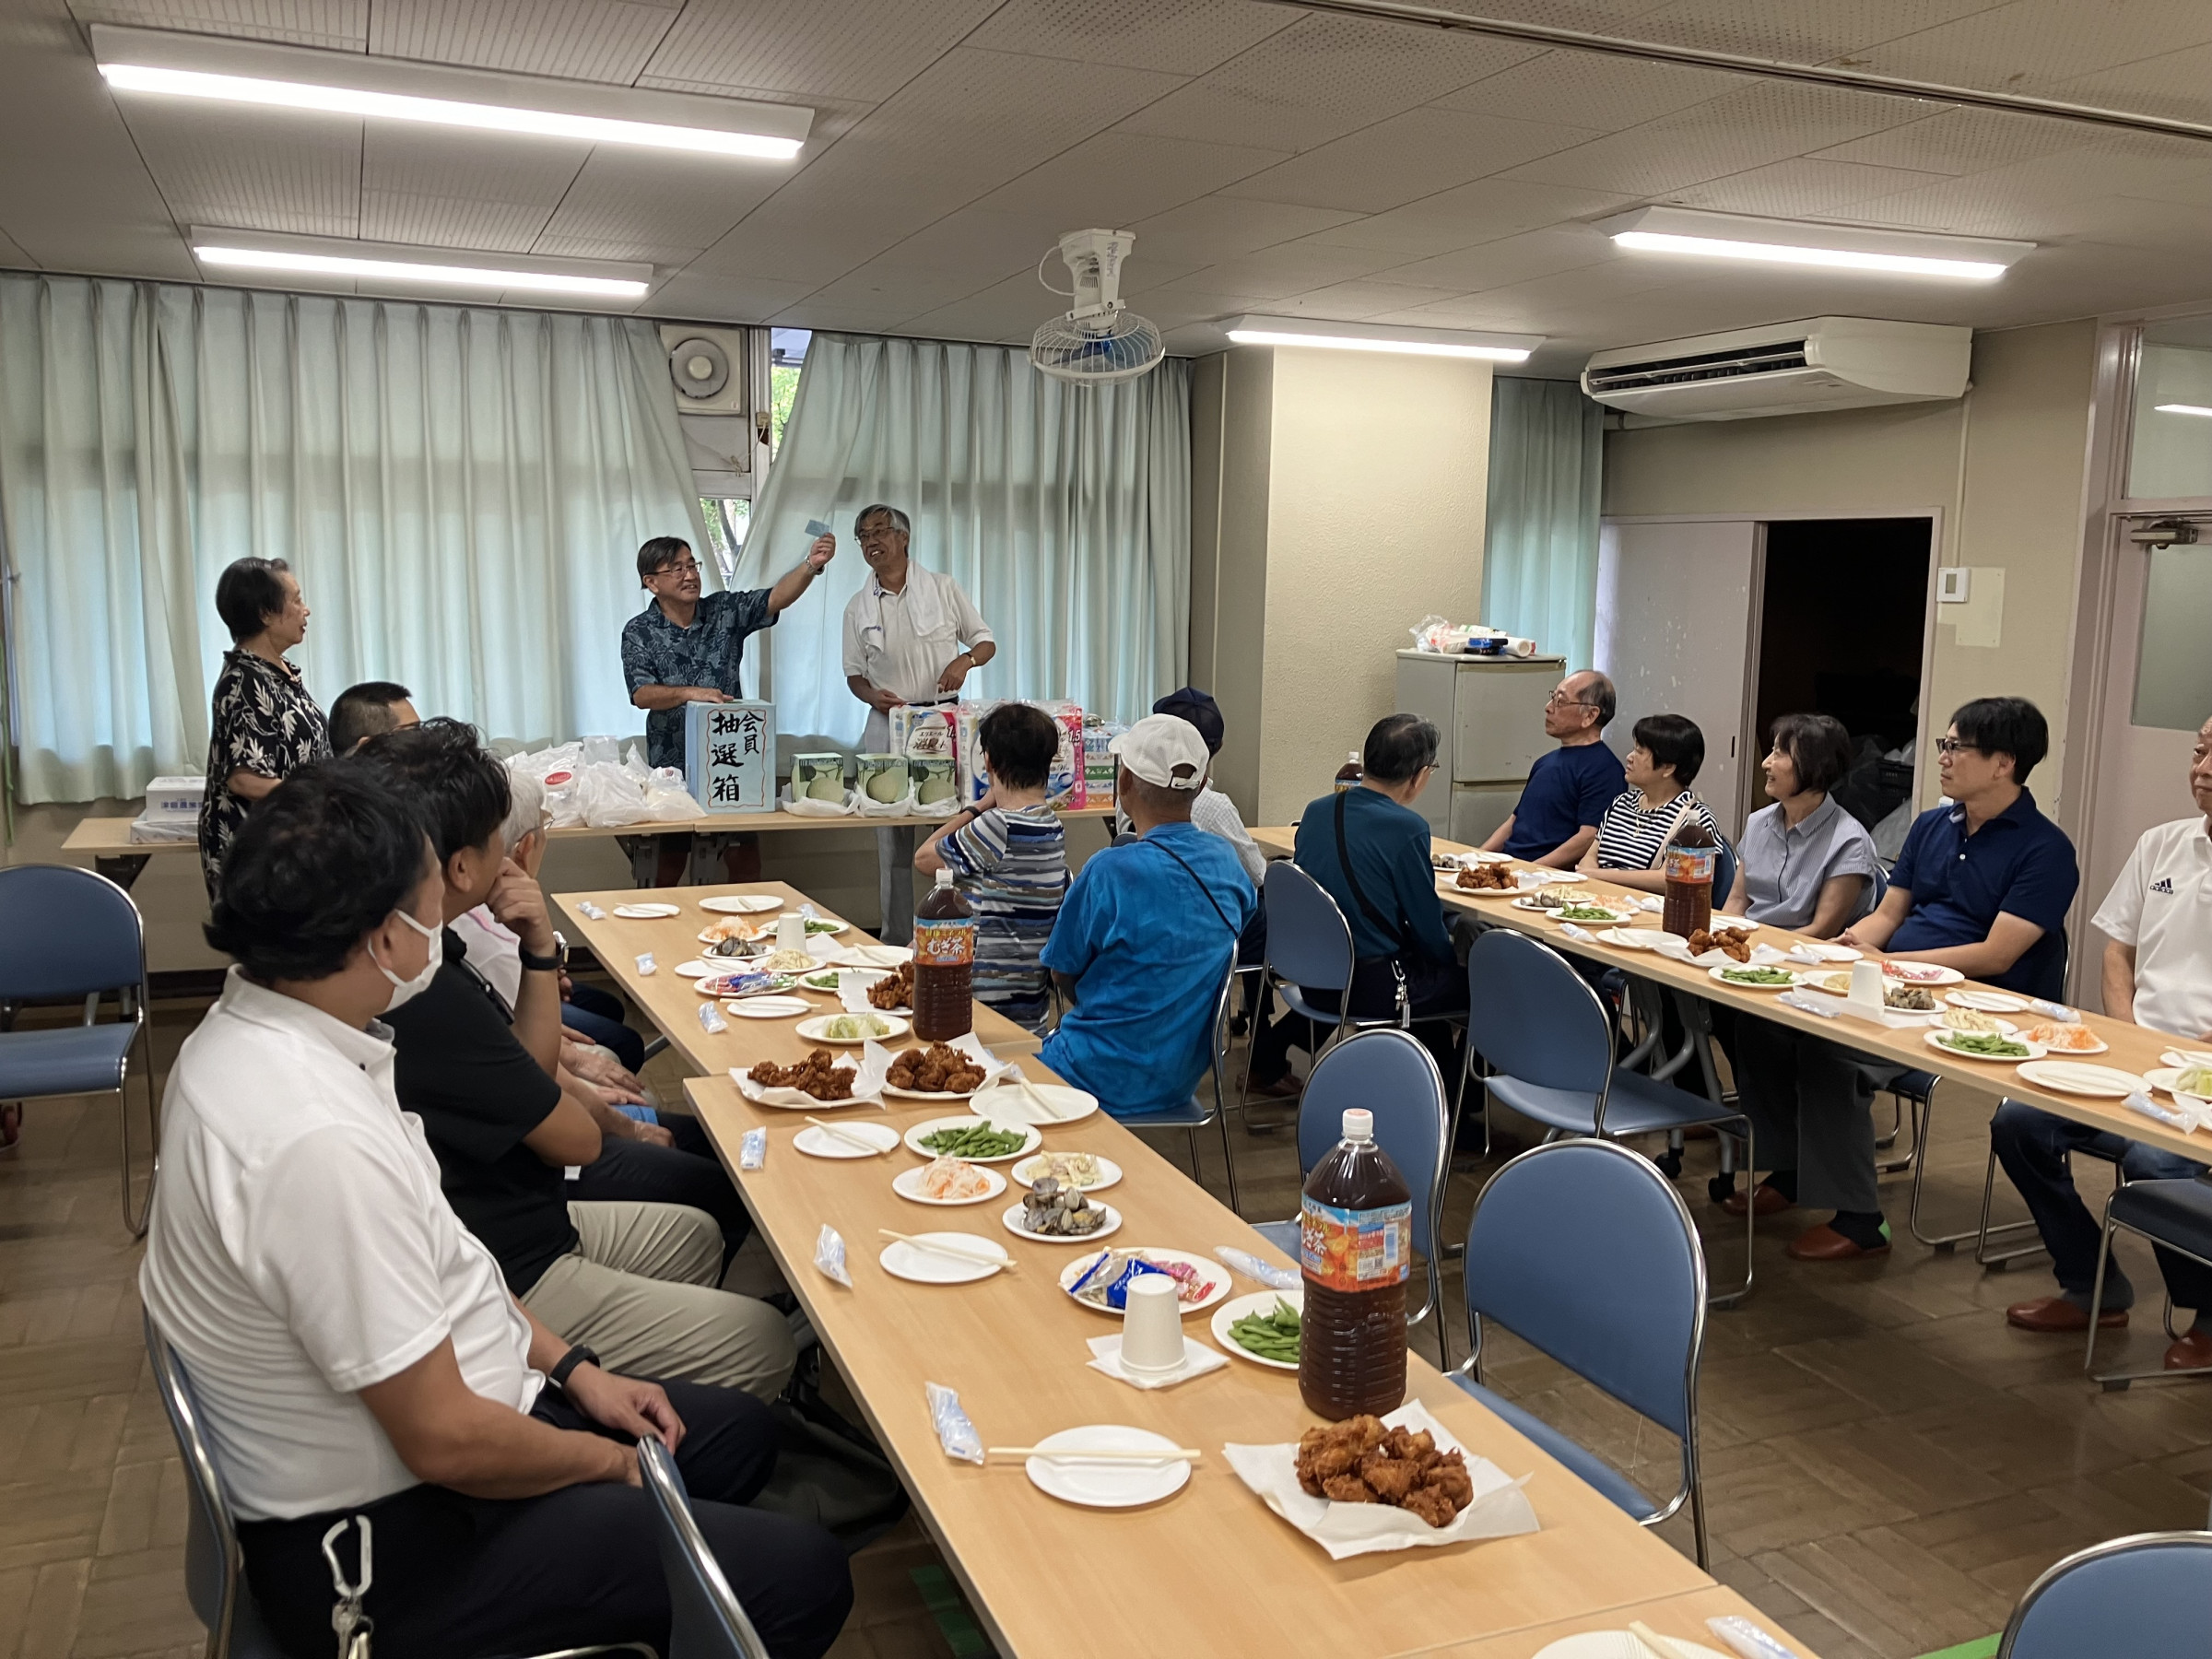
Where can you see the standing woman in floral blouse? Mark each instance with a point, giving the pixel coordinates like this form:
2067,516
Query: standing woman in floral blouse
266,724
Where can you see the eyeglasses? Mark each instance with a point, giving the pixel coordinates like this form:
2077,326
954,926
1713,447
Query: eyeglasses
1956,746
686,567
1559,700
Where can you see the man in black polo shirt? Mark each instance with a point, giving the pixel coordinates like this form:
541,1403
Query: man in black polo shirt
636,1282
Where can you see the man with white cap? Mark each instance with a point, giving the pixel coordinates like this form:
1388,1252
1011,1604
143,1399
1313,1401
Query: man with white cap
1148,933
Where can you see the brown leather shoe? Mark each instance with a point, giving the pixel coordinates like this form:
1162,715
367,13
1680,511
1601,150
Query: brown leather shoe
2060,1317
2192,1352
1824,1243
1770,1201
1285,1088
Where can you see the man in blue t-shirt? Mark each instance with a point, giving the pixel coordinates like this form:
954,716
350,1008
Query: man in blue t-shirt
1555,820
1147,934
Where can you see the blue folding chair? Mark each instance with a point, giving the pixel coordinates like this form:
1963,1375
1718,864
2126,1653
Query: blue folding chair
1196,1115
1585,1251
2139,1594
705,1619
1310,948
215,1578
1549,1041
1393,1075
71,934
2176,1213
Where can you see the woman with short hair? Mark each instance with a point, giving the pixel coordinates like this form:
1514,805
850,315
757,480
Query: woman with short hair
266,724
1806,864
1644,817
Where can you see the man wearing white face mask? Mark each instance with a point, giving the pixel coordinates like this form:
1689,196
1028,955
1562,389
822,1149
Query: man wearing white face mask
635,1280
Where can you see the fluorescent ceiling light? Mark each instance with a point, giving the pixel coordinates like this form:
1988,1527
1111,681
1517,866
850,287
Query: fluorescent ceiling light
1372,336
1831,247
344,84
2183,409
384,264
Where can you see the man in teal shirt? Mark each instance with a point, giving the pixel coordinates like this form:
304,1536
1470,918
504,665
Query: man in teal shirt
1147,934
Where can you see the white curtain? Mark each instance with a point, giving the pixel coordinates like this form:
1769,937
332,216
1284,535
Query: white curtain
1064,511
1539,563
461,493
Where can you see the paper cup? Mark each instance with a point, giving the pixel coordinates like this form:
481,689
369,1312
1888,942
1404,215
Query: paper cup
1866,984
1152,1325
791,932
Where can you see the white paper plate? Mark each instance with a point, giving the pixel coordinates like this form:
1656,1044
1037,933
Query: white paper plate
1004,1102
907,1183
1208,1270
1259,1301
2184,1057
1461,861
742,904
1920,973
1528,901
868,955
1942,1017
2072,1077
825,927
768,1007
752,1092
905,1261
715,932
1616,1644
2036,1051
1011,1219
817,1142
1986,1002
817,1029
1032,1140
2073,1053
1735,925
1716,972
1029,1167
941,1095
647,912
2163,1079
698,969
1830,953
1639,938
717,984
1107,1485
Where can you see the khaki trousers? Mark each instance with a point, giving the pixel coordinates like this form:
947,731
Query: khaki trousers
639,1291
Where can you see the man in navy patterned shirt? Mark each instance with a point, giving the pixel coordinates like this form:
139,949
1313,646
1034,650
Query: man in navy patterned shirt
688,647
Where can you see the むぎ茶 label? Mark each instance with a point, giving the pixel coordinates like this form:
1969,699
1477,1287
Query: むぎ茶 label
1355,1250
949,942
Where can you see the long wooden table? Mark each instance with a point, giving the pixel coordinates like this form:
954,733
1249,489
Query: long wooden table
1209,1570
2133,1048
115,855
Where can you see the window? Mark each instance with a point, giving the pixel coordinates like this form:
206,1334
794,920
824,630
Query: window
786,357
2170,450
727,518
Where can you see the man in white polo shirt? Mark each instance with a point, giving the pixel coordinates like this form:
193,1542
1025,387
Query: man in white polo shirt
2157,972
912,636
362,1371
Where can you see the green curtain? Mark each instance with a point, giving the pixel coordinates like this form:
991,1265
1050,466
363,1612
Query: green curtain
1539,562
1064,511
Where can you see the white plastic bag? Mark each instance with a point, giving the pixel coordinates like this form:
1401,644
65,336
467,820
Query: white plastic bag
808,806
606,794
601,751
667,799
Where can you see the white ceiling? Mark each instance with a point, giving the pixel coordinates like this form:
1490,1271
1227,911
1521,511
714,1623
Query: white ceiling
1268,160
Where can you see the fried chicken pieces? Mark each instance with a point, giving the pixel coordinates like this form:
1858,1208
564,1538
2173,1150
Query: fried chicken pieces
1486,876
896,991
817,1075
936,1070
1729,944
1359,1461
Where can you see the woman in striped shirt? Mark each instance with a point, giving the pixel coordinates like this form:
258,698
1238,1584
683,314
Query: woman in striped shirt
1644,817
1008,854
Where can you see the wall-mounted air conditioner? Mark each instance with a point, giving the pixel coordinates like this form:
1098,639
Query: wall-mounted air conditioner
1783,368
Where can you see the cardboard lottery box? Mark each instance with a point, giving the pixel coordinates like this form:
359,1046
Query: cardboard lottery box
1066,785
730,755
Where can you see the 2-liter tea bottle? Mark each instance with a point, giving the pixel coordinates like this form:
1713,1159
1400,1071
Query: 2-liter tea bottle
1687,864
944,963
1355,1245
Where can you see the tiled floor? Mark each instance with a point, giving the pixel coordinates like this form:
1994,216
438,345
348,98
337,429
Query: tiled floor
1887,1465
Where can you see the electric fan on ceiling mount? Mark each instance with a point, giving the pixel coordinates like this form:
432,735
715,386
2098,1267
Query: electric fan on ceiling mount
1099,342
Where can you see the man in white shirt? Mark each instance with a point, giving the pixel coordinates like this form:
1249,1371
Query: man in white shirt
360,1366
2157,972
912,636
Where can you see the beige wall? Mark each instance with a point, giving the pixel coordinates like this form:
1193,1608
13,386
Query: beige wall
2004,468
1351,503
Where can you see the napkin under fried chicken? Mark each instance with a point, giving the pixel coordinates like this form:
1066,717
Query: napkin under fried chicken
1359,1461
817,1075
1729,944
897,990
1485,878
937,1069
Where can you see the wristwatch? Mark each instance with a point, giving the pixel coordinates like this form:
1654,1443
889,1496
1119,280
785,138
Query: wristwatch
546,964
567,1363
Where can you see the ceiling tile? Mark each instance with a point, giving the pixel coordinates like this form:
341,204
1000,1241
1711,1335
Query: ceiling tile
1797,33
1005,311
1405,158
421,186
2037,45
863,50
1609,93
433,221
1185,36
855,319
253,169
1322,79
1481,212
979,238
580,39
1509,259
1120,177
883,285
696,298
1224,227
1958,141
1290,268
1358,301
657,200
1800,187
2177,84
335,25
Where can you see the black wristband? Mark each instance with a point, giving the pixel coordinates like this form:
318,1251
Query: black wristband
566,1365
544,964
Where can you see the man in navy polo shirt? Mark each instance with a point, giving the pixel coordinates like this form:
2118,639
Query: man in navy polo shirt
1556,819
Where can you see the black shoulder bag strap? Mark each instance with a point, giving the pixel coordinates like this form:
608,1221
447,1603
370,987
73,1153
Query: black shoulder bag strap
1206,892
1391,930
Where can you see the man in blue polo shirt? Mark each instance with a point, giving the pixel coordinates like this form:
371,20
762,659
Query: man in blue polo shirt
1147,934
1555,820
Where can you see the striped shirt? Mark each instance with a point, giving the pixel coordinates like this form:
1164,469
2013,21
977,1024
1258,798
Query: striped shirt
1012,868
1629,838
